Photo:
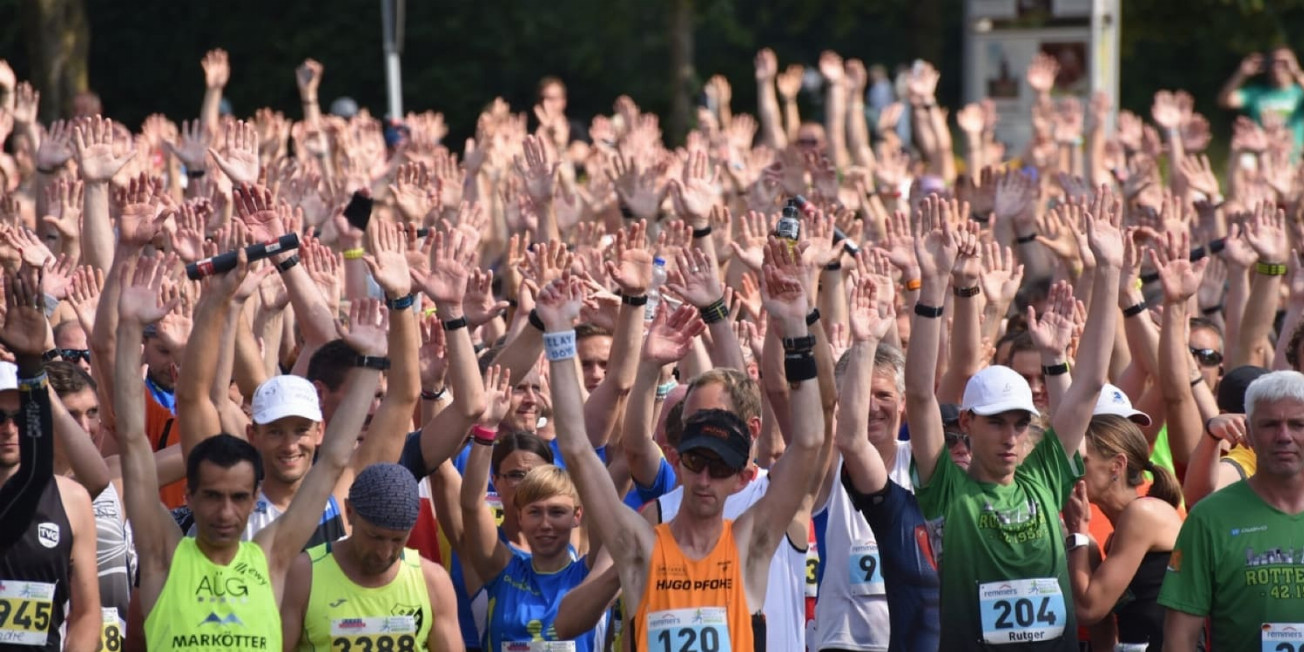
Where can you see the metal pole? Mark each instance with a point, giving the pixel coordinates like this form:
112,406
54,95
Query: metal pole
391,17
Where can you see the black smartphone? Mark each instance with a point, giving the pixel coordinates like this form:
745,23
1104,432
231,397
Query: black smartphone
358,212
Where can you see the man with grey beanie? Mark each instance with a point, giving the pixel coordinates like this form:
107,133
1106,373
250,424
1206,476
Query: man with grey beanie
368,589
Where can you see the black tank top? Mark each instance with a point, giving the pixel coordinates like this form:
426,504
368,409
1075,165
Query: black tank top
34,574
1140,618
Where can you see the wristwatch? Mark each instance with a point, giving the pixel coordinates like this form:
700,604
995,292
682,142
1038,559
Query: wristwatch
1075,541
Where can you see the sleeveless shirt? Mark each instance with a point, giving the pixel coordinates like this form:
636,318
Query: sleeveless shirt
205,607
342,614
34,575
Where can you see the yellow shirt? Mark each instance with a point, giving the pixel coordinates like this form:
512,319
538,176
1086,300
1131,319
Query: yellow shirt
1244,458
342,615
205,607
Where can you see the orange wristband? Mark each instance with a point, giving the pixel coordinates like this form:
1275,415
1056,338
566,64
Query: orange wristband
914,284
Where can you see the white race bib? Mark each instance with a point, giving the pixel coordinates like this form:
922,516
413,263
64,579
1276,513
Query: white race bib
866,571
111,630
1282,637
397,633
1022,611
25,612
689,630
540,646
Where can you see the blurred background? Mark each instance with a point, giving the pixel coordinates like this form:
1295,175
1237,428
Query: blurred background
142,56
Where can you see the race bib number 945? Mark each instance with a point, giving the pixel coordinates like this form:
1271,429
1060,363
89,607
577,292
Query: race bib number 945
1021,611
688,630
1282,637
375,634
25,611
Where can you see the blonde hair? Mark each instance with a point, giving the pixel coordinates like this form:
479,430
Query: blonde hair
544,482
1112,434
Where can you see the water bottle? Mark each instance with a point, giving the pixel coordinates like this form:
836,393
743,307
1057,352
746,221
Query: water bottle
654,292
789,226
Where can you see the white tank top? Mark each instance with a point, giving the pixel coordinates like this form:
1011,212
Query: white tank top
851,613
785,597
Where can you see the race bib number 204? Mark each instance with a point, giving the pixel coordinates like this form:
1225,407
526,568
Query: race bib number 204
1022,611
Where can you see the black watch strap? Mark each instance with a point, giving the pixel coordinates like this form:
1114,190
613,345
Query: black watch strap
372,362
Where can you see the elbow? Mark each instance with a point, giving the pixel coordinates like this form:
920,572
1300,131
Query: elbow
472,408
1088,614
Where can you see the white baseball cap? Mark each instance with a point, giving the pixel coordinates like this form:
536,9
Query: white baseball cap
1113,401
283,396
997,389
8,376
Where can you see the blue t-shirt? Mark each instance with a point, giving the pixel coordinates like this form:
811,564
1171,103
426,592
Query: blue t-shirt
665,481
909,569
1284,103
523,603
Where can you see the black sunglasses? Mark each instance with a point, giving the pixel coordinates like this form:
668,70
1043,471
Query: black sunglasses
715,467
73,355
1207,357
952,438
6,417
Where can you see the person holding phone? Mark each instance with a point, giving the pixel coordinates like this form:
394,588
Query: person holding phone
1282,97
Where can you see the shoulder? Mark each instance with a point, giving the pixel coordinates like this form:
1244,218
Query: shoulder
436,576
1146,517
1222,502
76,500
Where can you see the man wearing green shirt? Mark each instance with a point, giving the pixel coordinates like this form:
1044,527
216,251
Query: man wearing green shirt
1239,559
1281,98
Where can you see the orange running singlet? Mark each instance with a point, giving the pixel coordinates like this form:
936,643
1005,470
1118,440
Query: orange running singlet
699,605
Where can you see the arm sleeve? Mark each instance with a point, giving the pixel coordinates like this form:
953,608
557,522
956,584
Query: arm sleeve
1187,586
21,492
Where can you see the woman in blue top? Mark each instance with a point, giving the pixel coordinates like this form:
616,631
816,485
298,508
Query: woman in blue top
524,591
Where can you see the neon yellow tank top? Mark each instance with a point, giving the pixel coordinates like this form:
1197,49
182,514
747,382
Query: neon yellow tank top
205,607
344,616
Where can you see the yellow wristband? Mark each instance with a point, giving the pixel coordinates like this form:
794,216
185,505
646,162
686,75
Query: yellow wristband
354,254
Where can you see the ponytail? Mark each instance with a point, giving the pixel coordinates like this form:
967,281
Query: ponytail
1165,485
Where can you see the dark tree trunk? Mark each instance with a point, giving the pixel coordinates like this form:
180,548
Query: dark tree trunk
58,45
682,73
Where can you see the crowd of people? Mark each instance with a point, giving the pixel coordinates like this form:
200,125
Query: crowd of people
838,384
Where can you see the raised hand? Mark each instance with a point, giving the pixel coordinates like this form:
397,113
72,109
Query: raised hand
1015,197
1103,224
445,283
385,258
1178,275
414,193
368,331
818,232
670,335
498,395
1041,73
560,302
307,77
138,214
767,65
84,294
217,69
56,147
479,305
188,240
970,120
789,82
537,169
433,354
141,300
1052,330
1266,233
870,318
1237,252
255,206
936,245
696,278
922,82
782,293
240,163
63,202
26,329
191,147
1165,110
899,244
174,328
32,251
1001,277
636,188
58,276
632,267
94,141
750,245
695,193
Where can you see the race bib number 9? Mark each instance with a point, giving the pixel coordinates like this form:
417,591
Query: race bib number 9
1283,637
1021,611
110,630
540,646
688,630
25,611
866,572
375,634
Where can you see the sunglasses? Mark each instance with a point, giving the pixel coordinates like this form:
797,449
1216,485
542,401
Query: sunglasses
6,417
1207,357
73,355
808,142
715,467
515,476
953,438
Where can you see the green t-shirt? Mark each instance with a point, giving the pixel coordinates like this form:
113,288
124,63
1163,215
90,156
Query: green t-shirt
1240,562
1005,580
1288,103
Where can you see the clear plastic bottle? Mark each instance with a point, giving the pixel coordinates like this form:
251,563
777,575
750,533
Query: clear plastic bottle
654,291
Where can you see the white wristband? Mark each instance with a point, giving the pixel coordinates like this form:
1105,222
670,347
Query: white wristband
559,345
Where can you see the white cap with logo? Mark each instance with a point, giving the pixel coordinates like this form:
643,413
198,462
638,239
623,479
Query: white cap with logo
283,396
8,376
1113,401
997,389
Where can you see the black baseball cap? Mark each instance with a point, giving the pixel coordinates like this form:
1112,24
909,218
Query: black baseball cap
721,432
950,413
1232,387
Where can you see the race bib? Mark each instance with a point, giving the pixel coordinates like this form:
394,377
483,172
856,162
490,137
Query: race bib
1282,637
812,571
110,630
1131,647
866,574
688,630
540,646
1021,611
374,634
25,612
495,504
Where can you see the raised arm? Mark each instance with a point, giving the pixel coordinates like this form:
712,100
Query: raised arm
88,465
632,272
217,72
155,534
1181,280
1229,97
1052,332
1106,241
937,246
285,537
835,106
696,278
870,320
97,163
966,330
1266,233
767,101
669,339
480,545
629,536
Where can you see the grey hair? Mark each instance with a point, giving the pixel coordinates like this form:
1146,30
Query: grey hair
1274,386
887,359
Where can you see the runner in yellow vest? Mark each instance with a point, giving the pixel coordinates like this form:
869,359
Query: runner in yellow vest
367,591
214,592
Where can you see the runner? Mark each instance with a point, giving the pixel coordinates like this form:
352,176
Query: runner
699,580
368,590
49,594
1002,556
1236,561
215,592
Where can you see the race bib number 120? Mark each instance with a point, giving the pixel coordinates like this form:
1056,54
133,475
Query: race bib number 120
1282,637
25,611
1021,611
688,630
